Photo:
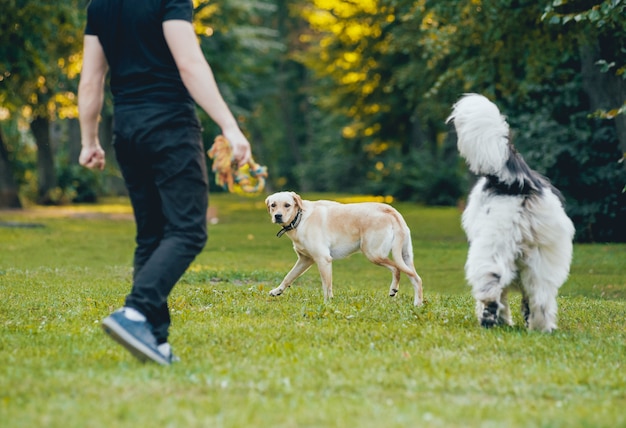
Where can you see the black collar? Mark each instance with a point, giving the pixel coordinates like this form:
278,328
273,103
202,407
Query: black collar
291,226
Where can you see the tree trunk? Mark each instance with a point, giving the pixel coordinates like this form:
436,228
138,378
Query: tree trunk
46,175
8,187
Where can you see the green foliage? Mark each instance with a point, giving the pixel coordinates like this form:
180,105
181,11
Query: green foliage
240,47
251,360
604,21
38,53
432,177
78,184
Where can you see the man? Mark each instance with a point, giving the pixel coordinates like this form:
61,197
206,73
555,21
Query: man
157,71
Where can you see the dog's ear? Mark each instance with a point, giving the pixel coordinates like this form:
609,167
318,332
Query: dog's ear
267,202
297,200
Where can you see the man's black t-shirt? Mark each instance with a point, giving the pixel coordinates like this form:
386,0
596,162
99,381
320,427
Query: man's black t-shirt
143,71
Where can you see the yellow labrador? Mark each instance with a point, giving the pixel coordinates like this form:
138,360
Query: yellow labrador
323,231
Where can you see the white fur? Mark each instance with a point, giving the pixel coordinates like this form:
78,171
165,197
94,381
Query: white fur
516,240
482,134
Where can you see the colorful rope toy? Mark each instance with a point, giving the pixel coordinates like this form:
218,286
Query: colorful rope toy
247,179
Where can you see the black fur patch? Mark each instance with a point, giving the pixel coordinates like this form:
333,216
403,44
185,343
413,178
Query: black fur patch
526,181
517,188
490,315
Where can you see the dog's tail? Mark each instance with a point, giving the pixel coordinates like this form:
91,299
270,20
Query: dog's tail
402,253
402,249
483,139
483,134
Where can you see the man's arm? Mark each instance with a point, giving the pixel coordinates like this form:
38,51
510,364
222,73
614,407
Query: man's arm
198,78
90,99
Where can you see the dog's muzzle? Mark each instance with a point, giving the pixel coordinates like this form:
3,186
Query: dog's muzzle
278,219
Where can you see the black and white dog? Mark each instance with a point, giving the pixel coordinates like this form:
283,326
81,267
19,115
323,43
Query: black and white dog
519,235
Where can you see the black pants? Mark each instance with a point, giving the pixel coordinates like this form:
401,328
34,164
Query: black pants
165,173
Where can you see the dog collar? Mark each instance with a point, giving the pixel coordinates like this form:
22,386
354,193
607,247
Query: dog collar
291,226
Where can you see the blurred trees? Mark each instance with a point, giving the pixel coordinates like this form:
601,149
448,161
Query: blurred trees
39,63
392,69
351,96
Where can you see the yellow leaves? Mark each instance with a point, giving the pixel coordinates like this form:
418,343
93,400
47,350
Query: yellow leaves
206,11
376,148
66,105
372,109
351,57
26,111
347,9
348,132
611,113
203,14
343,18
202,29
354,130
352,77
326,41
71,65
429,21
321,20
356,31
371,130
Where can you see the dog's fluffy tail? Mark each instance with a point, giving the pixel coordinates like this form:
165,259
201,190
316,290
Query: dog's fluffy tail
483,140
482,132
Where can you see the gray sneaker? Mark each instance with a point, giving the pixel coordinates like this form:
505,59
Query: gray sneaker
136,336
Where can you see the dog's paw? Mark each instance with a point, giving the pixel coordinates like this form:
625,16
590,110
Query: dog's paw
393,292
276,292
490,317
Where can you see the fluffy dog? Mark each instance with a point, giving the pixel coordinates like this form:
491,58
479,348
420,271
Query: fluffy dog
323,231
519,235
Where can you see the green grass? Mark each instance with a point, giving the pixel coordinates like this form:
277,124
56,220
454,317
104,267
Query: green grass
248,360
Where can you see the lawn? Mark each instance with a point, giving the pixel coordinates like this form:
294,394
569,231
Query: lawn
251,360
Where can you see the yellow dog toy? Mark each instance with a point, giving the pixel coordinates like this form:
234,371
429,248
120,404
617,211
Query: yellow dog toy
250,178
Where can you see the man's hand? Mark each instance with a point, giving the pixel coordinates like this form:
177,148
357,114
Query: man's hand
239,144
92,157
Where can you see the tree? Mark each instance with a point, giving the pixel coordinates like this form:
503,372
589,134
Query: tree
39,56
600,28
9,191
